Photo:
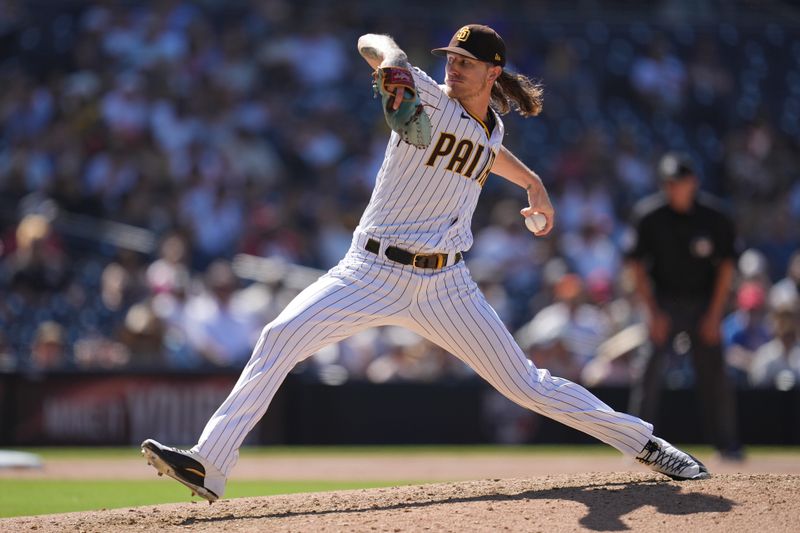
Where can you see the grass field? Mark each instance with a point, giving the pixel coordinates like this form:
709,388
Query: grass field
23,495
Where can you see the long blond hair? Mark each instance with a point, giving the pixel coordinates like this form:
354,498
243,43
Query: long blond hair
517,92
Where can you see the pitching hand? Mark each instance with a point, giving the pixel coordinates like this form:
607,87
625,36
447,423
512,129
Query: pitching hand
539,202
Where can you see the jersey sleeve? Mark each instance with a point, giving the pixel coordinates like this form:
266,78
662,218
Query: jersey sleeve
429,90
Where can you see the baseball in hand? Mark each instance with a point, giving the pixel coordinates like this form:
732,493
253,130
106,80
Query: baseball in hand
536,222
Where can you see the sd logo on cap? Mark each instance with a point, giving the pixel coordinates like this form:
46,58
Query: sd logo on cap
478,42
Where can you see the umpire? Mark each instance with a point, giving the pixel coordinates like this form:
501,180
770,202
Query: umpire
683,261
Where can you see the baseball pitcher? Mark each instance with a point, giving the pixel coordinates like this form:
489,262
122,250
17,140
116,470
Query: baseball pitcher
405,265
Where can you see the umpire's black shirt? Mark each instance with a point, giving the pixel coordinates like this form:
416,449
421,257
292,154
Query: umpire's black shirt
682,251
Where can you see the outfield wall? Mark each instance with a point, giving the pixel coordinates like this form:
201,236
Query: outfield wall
108,409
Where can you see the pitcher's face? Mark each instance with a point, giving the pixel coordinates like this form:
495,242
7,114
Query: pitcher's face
466,77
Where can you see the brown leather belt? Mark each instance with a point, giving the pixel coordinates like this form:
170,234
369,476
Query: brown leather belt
405,257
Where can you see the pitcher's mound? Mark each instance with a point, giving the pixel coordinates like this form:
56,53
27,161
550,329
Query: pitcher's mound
596,502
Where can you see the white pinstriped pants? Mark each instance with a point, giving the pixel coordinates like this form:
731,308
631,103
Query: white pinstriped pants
446,307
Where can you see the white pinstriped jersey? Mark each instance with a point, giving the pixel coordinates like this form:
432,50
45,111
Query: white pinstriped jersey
424,199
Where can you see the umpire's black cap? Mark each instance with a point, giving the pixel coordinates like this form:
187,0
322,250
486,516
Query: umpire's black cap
675,166
478,42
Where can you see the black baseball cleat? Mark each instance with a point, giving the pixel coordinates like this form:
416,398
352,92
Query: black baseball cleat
187,467
665,458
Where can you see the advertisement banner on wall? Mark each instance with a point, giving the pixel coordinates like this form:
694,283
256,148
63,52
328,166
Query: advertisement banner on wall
85,410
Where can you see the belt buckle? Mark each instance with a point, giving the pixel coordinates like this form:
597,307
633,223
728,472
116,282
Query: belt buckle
440,258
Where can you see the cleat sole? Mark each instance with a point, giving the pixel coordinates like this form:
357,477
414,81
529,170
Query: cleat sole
163,468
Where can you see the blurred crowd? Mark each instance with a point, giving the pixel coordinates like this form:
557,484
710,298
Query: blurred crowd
145,145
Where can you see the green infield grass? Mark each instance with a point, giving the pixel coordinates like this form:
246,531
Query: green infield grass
24,497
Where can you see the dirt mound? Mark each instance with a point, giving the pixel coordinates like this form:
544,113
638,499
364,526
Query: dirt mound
596,502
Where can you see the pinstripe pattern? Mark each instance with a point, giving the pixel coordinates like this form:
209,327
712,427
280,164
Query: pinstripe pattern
453,313
353,296
429,208
419,205
445,307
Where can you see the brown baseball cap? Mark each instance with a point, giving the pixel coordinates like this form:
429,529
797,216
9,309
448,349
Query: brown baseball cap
478,42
